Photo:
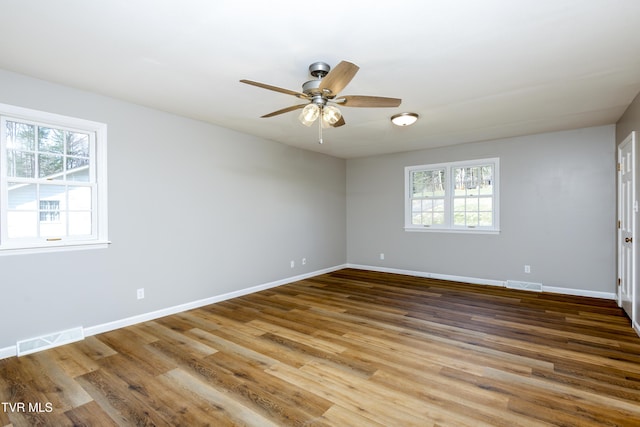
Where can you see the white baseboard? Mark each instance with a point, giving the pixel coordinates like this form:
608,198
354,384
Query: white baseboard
8,352
580,292
478,281
472,280
121,323
145,317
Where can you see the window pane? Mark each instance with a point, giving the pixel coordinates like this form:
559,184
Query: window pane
77,144
79,198
22,224
416,206
428,183
472,219
459,205
21,164
57,227
418,180
438,218
20,136
79,223
486,182
486,203
422,219
439,182
50,140
22,196
486,219
49,211
50,165
472,203
77,169
54,193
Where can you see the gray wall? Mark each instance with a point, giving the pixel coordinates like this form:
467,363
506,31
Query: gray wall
558,210
195,211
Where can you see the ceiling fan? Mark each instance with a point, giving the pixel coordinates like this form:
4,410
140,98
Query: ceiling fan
322,93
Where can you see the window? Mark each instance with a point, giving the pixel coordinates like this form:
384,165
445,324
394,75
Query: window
459,196
52,181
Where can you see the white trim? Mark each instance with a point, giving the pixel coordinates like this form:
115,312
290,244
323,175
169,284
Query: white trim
480,281
60,247
580,292
97,133
145,317
416,229
472,280
11,351
7,352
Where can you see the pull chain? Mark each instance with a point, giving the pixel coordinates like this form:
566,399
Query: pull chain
320,127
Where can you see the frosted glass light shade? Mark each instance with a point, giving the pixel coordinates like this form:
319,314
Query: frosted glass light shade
404,119
309,114
331,114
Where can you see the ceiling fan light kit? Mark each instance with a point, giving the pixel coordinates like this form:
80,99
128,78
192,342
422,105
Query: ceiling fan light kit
324,91
331,114
309,114
404,119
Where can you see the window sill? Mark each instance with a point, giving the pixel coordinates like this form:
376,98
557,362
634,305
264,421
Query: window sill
452,230
57,247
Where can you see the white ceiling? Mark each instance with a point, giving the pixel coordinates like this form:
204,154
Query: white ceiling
473,70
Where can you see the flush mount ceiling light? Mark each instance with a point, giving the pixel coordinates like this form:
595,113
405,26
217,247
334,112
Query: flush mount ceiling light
404,119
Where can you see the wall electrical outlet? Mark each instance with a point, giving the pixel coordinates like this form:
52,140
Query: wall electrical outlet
304,261
527,269
141,293
293,264
381,255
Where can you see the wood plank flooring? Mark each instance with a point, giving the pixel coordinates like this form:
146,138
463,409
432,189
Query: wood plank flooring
348,348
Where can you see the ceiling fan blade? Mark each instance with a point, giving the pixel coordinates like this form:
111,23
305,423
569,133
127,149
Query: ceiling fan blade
367,101
275,88
284,110
339,77
339,123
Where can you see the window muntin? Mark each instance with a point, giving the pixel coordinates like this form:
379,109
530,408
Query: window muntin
52,180
459,196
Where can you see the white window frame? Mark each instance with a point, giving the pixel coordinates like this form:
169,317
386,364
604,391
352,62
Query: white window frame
98,182
448,225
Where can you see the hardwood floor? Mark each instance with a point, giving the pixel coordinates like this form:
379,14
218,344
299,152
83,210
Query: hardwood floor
349,348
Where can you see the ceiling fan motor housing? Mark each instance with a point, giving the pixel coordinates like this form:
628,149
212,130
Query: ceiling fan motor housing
312,88
319,69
